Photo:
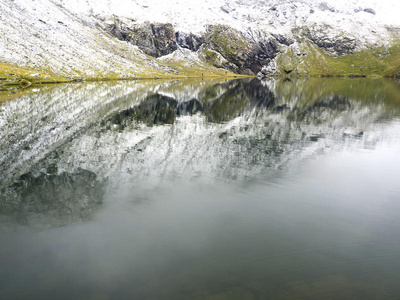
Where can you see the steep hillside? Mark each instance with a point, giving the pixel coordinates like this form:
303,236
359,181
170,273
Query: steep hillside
56,40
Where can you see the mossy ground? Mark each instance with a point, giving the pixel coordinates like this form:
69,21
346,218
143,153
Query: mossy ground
310,60
227,41
18,81
10,75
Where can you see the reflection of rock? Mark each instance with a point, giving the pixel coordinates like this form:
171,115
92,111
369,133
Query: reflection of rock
190,107
154,110
234,97
51,198
258,94
323,109
239,128
227,106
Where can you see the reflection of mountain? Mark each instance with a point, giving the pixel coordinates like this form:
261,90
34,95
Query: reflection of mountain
144,132
219,103
230,130
36,124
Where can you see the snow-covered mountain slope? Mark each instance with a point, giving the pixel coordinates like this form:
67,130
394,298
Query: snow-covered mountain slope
45,36
357,17
110,38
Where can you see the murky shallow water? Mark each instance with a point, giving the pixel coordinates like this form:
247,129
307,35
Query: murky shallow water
202,190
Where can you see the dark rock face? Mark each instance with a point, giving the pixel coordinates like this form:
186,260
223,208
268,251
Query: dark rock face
244,56
230,43
344,46
155,39
189,41
163,36
332,43
224,47
262,53
283,39
370,11
239,54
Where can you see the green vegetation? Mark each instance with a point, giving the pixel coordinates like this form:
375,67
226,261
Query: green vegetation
226,40
16,81
308,59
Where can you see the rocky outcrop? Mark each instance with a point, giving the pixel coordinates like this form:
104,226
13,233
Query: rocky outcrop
252,52
330,40
244,55
189,41
155,39
270,69
230,44
262,53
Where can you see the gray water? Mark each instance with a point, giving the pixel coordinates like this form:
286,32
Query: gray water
242,189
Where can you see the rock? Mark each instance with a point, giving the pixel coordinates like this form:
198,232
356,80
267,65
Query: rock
225,10
216,59
270,69
230,43
283,40
325,7
262,53
369,10
189,41
25,82
330,40
247,55
155,39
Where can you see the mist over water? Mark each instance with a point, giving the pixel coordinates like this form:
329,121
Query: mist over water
277,189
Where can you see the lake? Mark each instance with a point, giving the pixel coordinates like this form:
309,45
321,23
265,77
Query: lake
201,189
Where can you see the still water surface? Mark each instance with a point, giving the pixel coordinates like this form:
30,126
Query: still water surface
242,189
